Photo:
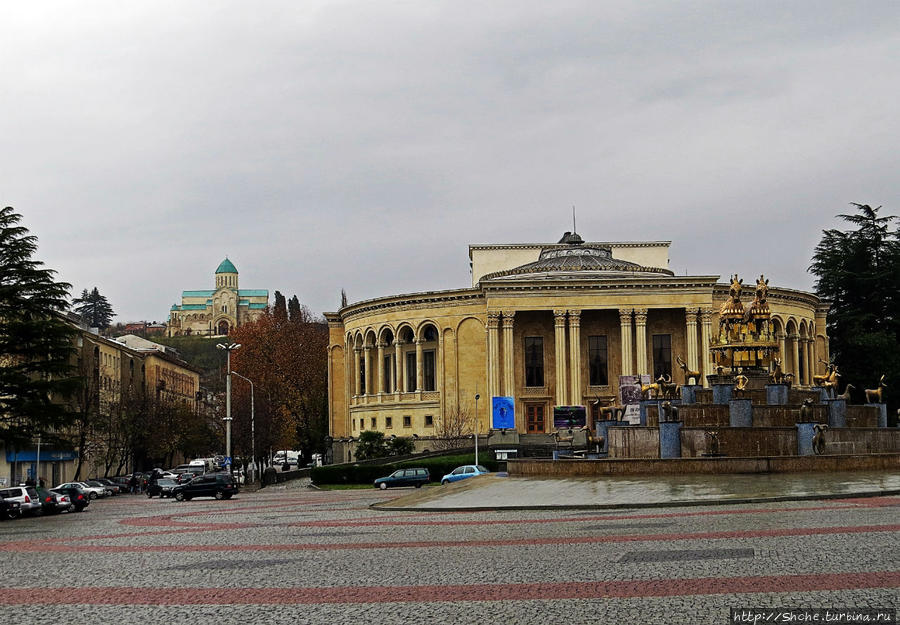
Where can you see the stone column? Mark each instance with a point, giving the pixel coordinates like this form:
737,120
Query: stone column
691,315
420,368
705,333
795,357
398,366
357,386
380,365
508,377
782,352
559,322
493,324
640,343
575,355
625,331
367,356
810,361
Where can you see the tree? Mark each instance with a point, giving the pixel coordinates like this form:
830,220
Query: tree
858,271
453,428
371,445
94,309
296,312
36,344
280,307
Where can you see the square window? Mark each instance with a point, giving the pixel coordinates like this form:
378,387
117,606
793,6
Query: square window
429,421
407,421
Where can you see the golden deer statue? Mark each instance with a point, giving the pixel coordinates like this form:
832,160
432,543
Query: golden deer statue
873,395
777,376
846,394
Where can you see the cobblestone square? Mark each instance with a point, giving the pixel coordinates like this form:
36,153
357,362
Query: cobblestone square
307,556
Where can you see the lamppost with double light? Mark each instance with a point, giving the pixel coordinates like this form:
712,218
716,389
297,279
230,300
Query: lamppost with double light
252,425
228,349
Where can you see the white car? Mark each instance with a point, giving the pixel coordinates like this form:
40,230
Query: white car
93,491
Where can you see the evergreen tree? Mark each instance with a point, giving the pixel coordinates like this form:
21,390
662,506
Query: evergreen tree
858,271
295,312
94,309
280,308
36,344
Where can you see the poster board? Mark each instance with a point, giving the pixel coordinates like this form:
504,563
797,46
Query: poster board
630,396
503,413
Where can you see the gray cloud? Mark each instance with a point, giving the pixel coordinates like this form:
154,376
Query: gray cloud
364,145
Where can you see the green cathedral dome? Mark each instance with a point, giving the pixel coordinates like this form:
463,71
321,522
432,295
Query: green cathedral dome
226,266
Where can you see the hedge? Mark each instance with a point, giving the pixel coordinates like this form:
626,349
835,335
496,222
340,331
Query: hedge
437,467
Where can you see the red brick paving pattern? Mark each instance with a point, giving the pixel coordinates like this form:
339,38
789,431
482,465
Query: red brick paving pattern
480,592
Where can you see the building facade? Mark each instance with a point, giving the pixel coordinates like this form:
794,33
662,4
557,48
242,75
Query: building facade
215,312
546,324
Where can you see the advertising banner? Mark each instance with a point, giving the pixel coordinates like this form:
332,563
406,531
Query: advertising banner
630,395
503,415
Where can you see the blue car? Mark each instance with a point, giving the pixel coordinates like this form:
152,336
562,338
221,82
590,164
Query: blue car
461,473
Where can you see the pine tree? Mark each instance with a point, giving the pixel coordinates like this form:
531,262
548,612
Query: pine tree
36,344
858,272
94,309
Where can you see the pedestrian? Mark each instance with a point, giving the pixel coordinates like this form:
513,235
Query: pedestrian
132,485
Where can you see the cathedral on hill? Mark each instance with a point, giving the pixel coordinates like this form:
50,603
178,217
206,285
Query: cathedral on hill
215,312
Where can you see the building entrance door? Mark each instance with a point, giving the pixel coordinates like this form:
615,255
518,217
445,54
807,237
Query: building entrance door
534,414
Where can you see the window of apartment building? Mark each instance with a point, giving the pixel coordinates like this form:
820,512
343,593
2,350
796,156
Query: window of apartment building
428,374
374,423
429,421
662,355
410,372
534,361
407,421
387,375
388,423
597,357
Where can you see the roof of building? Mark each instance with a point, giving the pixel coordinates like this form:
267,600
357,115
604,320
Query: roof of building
573,256
226,266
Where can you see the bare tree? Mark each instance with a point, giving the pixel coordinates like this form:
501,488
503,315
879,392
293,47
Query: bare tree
453,427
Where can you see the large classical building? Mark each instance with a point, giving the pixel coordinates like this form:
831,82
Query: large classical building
215,312
547,325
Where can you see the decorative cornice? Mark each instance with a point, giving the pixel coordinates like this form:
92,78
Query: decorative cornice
528,246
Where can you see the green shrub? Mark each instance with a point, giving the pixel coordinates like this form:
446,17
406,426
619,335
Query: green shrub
366,474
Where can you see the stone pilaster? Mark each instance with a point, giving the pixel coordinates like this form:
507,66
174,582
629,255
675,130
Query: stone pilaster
810,361
782,352
640,343
420,368
357,375
508,341
575,356
493,336
795,357
705,333
398,366
380,366
367,358
625,335
559,323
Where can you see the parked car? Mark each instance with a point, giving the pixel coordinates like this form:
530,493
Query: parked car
114,486
79,499
404,477
463,472
27,497
53,503
161,488
108,491
218,485
187,472
9,509
92,491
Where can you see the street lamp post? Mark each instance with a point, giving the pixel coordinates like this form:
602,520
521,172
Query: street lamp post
252,425
477,397
228,349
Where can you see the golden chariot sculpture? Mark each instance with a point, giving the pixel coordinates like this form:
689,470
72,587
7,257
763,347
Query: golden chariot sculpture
745,342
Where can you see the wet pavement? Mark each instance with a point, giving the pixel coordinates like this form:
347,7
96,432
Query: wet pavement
494,492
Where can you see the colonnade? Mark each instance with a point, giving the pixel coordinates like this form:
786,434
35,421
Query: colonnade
568,349
798,353
375,382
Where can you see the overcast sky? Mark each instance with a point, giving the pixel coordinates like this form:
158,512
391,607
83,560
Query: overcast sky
365,145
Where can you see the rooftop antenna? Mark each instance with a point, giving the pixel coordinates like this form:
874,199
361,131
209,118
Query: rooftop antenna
574,229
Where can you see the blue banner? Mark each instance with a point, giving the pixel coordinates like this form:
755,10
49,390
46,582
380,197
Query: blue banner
47,455
503,413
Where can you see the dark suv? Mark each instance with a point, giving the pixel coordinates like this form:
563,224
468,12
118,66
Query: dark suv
218,485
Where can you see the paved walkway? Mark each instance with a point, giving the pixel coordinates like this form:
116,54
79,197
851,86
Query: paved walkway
495,492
